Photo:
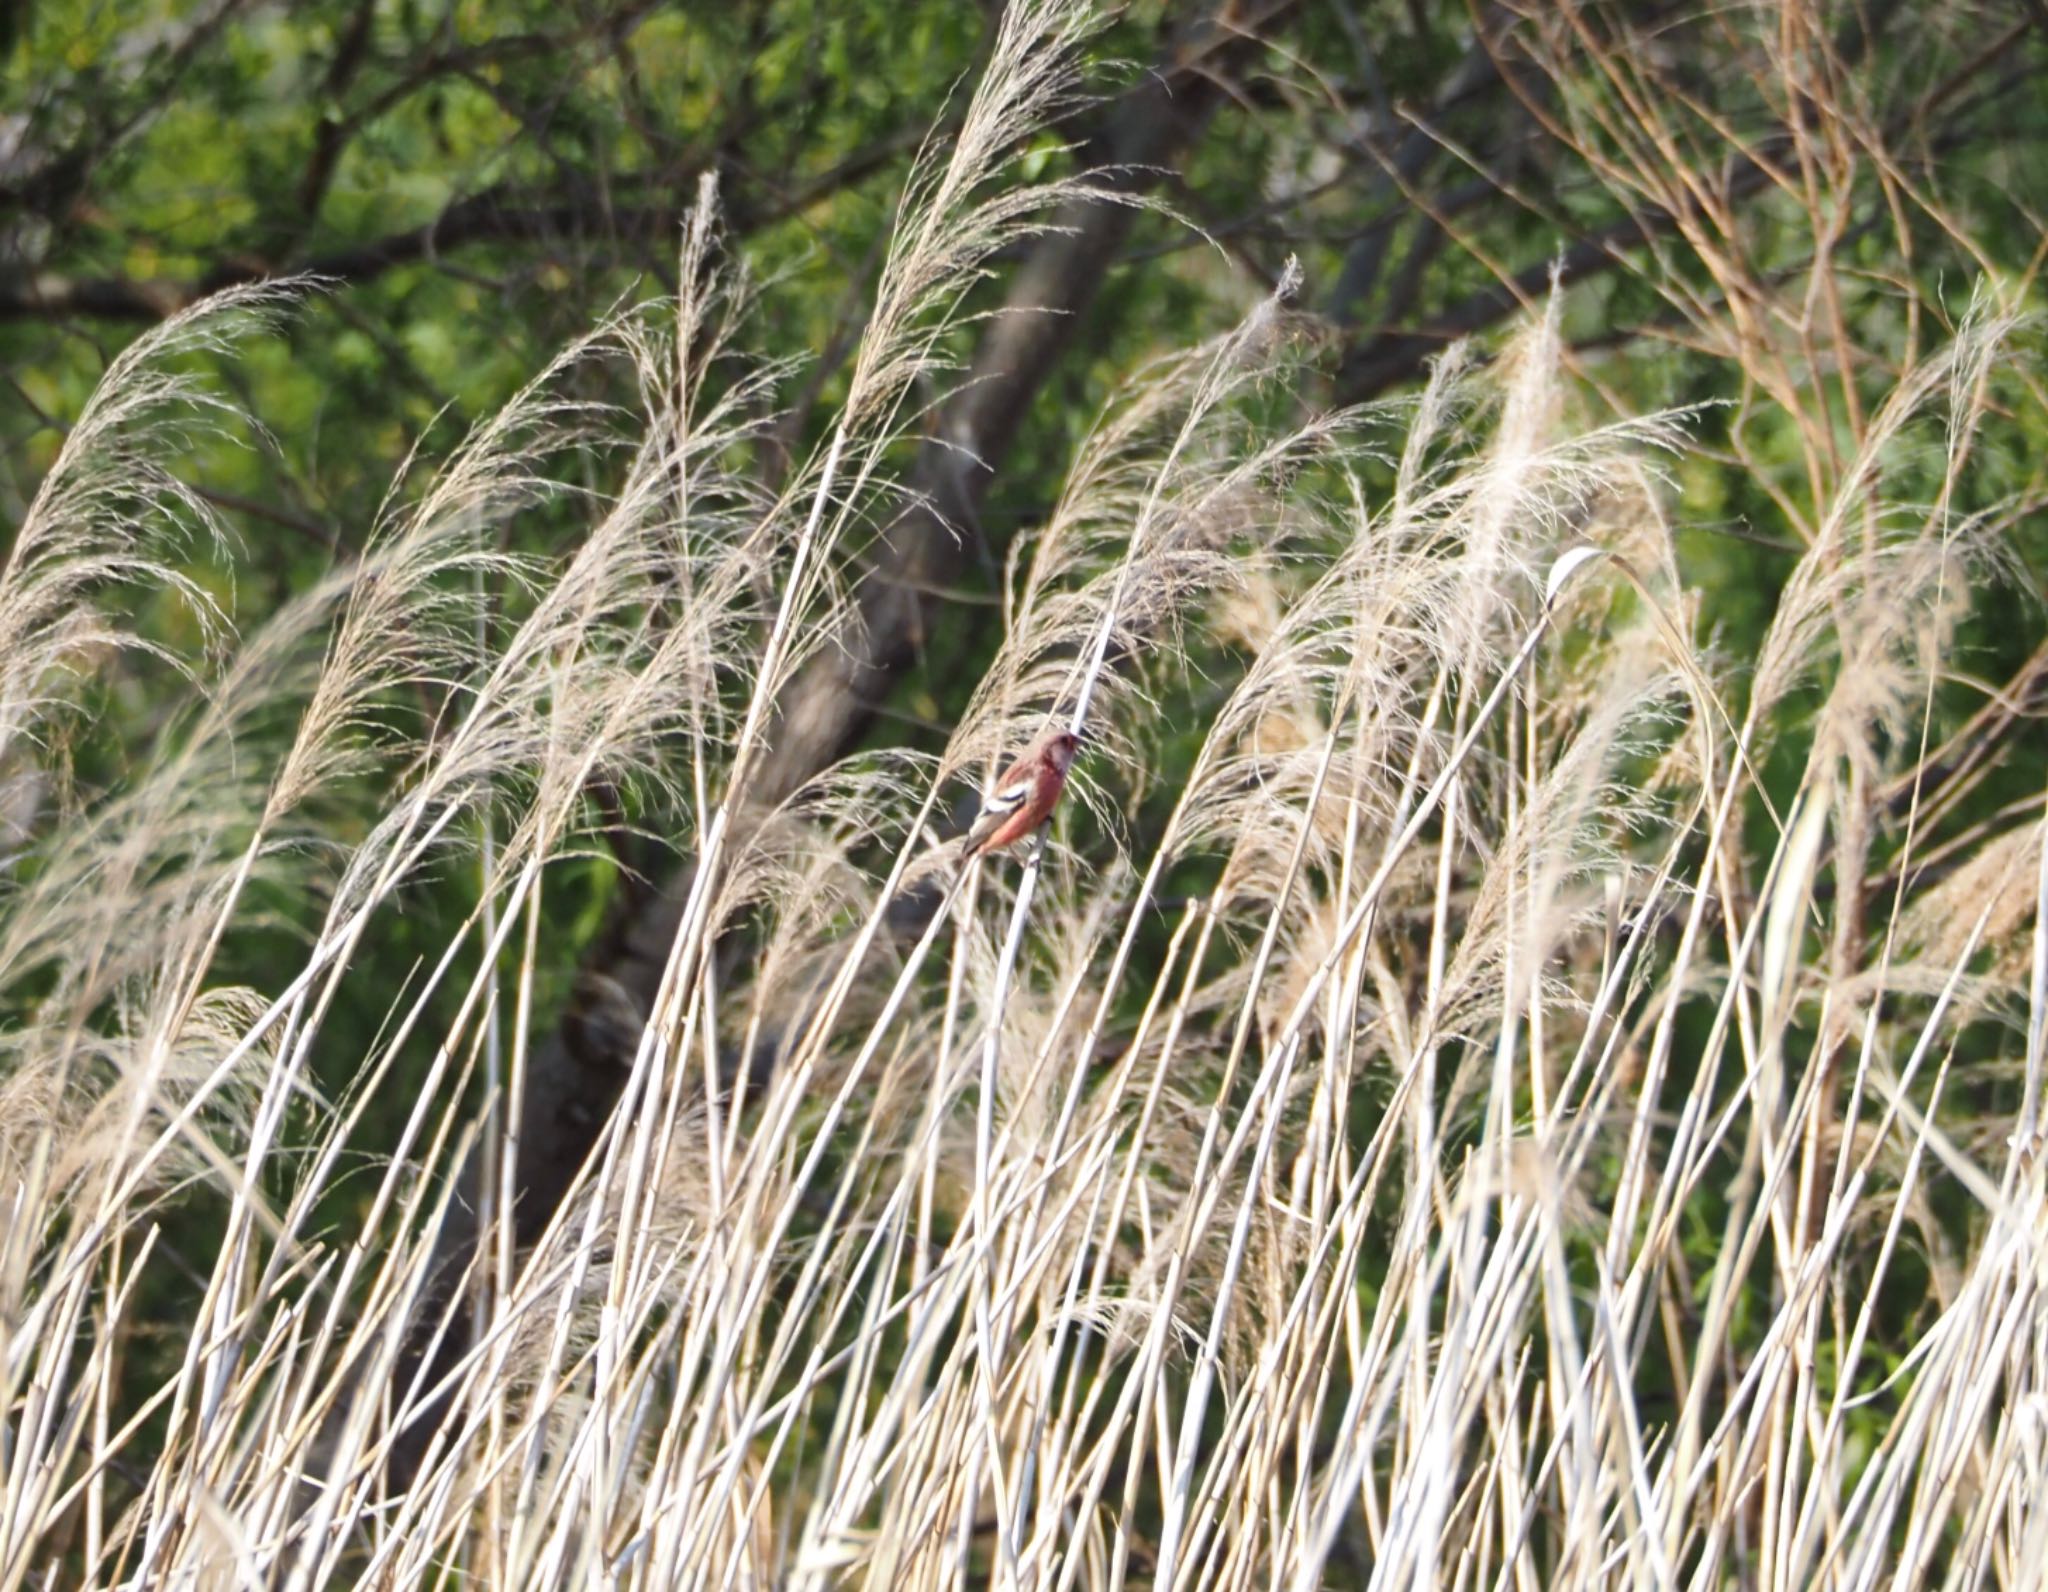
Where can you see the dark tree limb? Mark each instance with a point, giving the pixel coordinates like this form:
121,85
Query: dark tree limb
497,215
574,1076
829,707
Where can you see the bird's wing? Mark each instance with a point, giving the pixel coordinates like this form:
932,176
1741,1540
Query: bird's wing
1006,799
997,807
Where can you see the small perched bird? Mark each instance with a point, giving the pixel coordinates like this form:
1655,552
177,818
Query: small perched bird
1025,796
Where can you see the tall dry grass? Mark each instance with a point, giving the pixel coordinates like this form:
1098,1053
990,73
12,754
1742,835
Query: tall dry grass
1533,1154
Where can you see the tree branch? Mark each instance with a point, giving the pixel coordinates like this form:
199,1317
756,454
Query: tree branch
496,215
574,1076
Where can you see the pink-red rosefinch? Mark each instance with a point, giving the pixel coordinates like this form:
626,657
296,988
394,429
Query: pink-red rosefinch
1025,796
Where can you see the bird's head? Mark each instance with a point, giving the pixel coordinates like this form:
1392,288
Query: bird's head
1062,747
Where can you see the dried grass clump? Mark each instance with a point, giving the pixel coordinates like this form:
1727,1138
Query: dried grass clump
1511,1162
